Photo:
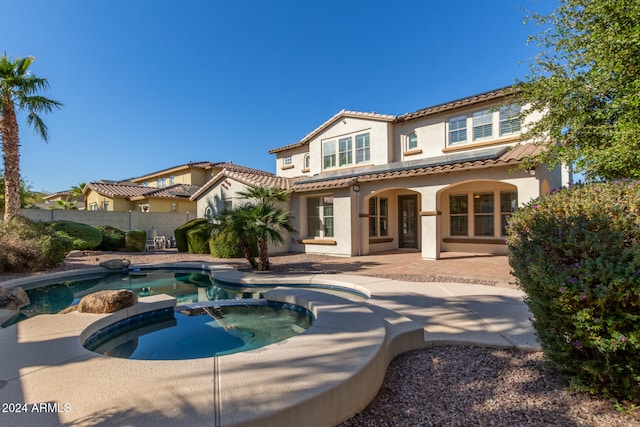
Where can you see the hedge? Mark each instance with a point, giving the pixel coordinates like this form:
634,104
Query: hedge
576,254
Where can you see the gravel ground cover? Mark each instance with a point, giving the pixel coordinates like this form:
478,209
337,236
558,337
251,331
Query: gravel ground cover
456,386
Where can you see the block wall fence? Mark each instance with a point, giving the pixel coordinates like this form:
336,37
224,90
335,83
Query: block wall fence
163,223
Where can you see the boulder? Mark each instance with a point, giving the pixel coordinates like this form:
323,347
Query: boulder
13,298
107,301
116,264
76,254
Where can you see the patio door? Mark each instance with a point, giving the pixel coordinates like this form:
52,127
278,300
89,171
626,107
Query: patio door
408,221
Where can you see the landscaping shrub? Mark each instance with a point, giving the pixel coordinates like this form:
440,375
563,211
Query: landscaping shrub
221,247
83,236
112,238
26,245
54,249
576,254
198,238
135,240
181,233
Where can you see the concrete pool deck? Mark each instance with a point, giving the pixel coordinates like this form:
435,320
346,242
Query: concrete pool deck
318,378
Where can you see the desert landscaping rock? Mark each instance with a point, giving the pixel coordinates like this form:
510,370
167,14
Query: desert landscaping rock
116,264
107,301
13,298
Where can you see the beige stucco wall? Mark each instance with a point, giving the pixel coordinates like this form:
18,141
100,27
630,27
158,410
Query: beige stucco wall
380,133
166,205
218,193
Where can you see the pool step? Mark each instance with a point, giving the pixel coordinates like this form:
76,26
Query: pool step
212,307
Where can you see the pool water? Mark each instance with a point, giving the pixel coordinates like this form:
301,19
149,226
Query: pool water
187,286
199,333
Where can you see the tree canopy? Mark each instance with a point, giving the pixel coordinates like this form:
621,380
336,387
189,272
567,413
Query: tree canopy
586,81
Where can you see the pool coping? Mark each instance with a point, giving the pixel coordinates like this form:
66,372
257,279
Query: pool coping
322,376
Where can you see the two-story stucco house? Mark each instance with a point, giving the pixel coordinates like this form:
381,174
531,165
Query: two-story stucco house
443,178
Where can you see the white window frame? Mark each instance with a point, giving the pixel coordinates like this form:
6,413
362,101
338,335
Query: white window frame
457,130
509,119
412,141
497,209
325,217
329,154
287,160
363,148
482,125
378,217
346,151
306,161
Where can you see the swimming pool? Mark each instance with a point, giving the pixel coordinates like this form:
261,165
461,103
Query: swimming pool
200,330
186,285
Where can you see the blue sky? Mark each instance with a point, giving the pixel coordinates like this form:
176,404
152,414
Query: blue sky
150,85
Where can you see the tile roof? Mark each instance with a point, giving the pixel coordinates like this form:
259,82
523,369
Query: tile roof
440,108
196,165
487,158
484,158
254,179
138,192
340,115
459,103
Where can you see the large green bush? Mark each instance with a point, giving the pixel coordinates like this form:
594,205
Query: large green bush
181,233
198,238
113,239
135,240
223,247
576,254
83,236
26,245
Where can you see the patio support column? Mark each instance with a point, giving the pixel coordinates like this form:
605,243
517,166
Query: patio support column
430,221
430,235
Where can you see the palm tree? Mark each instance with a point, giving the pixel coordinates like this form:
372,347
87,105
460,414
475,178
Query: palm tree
267,222
19,91
265,194
261,220
232,225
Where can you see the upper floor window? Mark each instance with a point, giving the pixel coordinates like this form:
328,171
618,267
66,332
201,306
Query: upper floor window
510,119
307,161
485,124
287,160
345,152
363,150
482,125
162,182
457,129
412,141
172,180
329,154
